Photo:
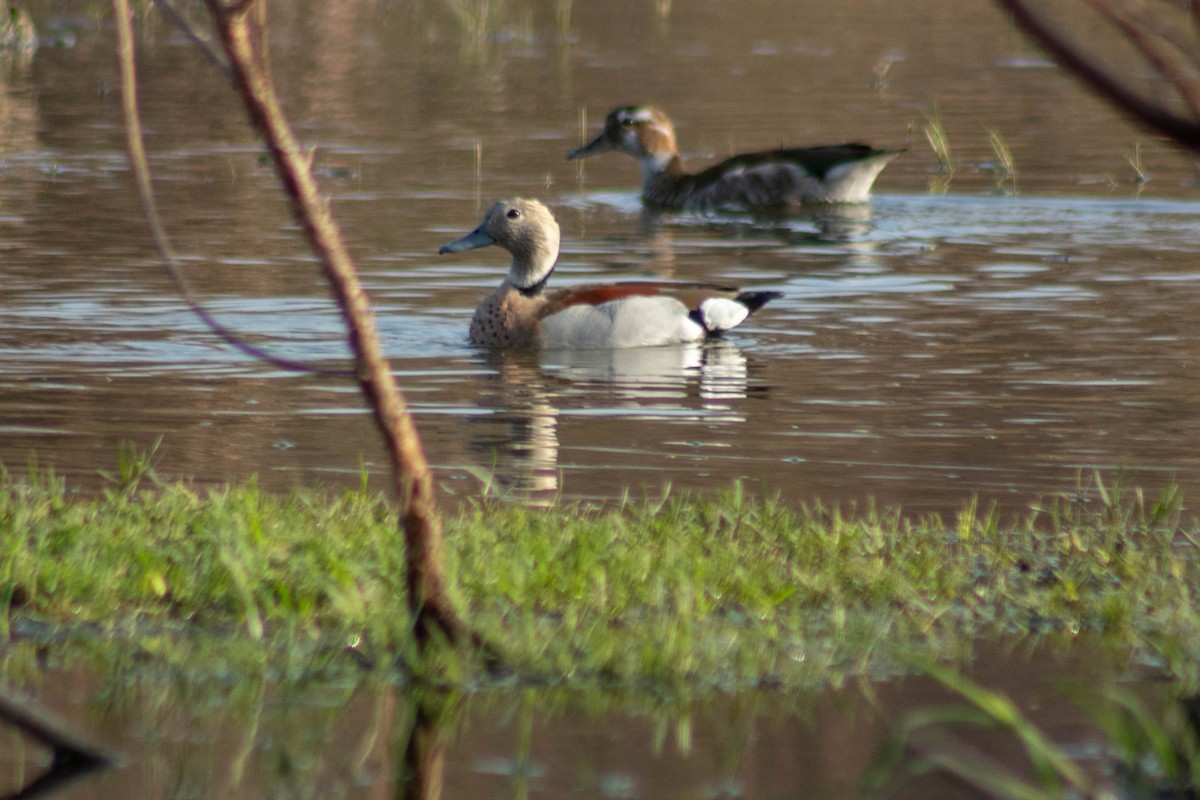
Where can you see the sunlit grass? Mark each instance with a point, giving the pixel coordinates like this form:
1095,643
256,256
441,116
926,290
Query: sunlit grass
939,142
1004,168
726,591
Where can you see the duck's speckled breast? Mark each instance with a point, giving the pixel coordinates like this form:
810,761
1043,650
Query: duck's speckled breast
507,318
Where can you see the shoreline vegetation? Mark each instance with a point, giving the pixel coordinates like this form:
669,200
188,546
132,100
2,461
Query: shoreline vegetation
685,592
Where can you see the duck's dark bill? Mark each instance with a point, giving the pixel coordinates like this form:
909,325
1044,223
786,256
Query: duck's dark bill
598,145
476,238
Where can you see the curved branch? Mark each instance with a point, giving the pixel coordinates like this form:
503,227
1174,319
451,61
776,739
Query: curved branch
1183,130
140,167
1137,35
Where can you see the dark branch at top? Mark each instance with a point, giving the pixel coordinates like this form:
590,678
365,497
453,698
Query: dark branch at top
1105,81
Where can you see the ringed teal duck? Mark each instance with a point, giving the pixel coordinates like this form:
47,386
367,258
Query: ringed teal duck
840,173
522,312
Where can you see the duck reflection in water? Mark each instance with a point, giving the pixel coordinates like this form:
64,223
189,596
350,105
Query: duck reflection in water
847,226
532,397
670,243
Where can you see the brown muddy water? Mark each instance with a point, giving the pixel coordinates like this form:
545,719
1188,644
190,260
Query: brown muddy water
934,345
954,338
188,738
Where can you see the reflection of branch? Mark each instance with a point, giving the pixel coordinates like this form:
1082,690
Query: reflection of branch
51,733
1183,130
141,173
424,771
73,756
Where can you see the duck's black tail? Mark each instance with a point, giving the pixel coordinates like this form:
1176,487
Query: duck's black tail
756,300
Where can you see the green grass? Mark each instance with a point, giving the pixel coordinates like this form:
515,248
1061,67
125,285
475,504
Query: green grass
723,591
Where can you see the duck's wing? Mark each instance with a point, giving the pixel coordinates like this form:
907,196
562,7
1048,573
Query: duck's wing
689,294
641,313
832,173
819,162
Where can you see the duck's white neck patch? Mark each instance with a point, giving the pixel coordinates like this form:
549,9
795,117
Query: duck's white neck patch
636,115
529,280
654,164
532,264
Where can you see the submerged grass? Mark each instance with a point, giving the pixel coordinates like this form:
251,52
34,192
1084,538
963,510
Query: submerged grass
723,591
1151,746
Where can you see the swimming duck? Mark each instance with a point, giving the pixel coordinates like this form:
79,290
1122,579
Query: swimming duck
840,173
522,312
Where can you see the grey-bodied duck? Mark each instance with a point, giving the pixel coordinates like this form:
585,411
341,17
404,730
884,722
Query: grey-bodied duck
523,312
842,173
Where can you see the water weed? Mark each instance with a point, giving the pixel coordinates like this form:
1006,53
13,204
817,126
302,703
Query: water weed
939,142
1004,168
1143,744
1140,175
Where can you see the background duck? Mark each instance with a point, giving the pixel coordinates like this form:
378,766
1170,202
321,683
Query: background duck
522,312
841,173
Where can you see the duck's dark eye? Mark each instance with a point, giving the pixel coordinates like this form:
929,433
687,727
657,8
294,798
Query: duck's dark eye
628,122
513,213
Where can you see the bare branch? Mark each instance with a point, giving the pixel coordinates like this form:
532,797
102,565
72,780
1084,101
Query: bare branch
1183,130
434,614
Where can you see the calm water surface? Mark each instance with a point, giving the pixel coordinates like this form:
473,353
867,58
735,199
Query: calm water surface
182,735
952,339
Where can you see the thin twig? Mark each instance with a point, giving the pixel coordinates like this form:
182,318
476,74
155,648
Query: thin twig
1173,31
1164,65
199,39
1183,130
141,174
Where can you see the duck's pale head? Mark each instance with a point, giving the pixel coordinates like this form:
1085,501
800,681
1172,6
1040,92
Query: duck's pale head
526,229
643,132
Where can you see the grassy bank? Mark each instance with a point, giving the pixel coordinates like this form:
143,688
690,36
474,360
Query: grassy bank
716,591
